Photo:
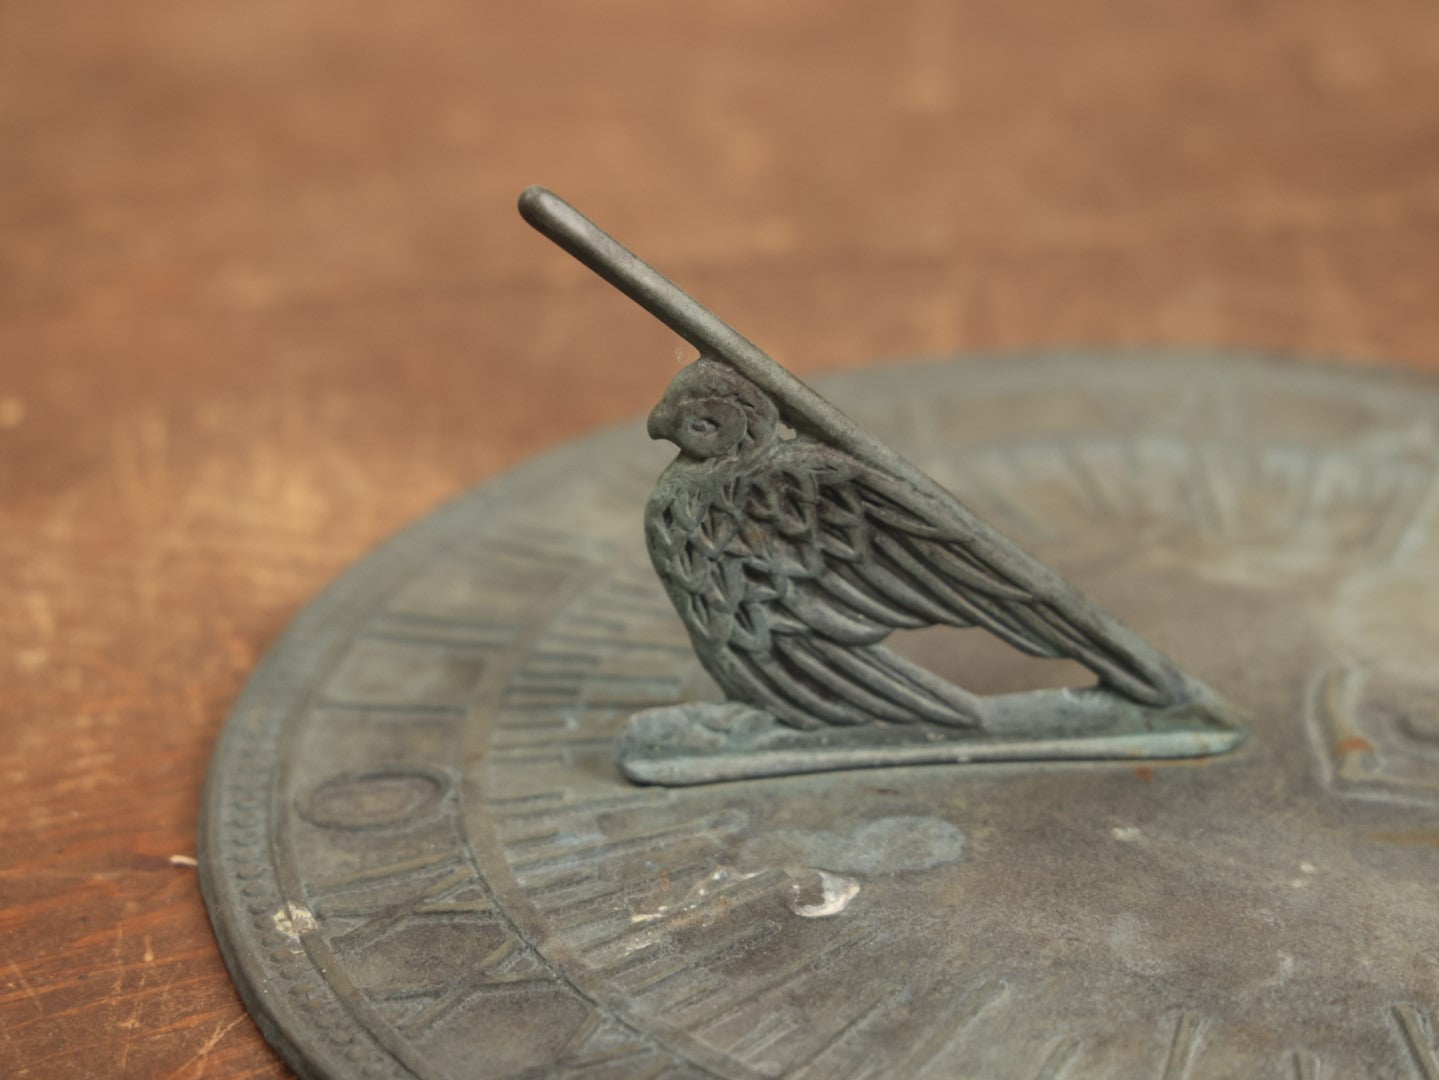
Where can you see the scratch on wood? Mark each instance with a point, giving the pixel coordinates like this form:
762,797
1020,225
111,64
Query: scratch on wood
197,1066
25,986
119,962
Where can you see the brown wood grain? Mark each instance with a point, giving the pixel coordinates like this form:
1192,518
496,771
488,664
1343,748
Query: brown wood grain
264,299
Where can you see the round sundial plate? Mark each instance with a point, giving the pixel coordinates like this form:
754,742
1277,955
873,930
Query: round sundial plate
420,858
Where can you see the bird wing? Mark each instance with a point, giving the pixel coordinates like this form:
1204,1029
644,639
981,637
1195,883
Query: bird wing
795,574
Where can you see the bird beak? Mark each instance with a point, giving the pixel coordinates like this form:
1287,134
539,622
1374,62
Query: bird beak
659,422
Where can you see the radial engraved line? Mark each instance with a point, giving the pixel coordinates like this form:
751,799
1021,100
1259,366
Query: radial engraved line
532,721
563,740
436,630
1420,525
611,846
523,808
619,705
667,647
1307,1066
575,914
773,1028
541,659
876,1005
735,895
321,890
540,838
573,896
1212,477
1182,1046
541,555
730,944
579,679
560,683
1088,482
998,495
1416,1036
494,875
399,710
1313,494
781,981
557,794
1056,1063
949,1027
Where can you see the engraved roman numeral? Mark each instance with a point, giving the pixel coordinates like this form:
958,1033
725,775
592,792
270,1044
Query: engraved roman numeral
418,671
601,1041
505,970
384,898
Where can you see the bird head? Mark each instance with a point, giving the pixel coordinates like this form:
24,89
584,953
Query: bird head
710,410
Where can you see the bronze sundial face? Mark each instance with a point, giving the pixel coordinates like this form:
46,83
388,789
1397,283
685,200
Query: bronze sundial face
422,859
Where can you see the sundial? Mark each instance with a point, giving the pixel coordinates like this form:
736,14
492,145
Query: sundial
1059,715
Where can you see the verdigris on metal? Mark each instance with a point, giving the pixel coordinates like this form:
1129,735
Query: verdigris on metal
422,859
790,559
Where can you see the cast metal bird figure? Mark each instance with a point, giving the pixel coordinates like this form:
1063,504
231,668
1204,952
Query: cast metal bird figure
790,561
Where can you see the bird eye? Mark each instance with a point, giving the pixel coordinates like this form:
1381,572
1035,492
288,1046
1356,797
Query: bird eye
702,426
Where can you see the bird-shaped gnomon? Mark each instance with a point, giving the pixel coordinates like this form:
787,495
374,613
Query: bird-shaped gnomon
790,558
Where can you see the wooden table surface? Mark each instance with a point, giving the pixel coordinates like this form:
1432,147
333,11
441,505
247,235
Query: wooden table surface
264,299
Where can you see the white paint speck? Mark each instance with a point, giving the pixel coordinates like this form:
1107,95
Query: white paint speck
293,920
1308,868
1125,834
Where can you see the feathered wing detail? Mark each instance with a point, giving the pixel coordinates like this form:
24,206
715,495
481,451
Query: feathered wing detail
791,574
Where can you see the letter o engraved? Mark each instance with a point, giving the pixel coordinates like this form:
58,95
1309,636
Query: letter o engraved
385,798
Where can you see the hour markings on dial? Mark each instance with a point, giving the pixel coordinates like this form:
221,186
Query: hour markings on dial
404,873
